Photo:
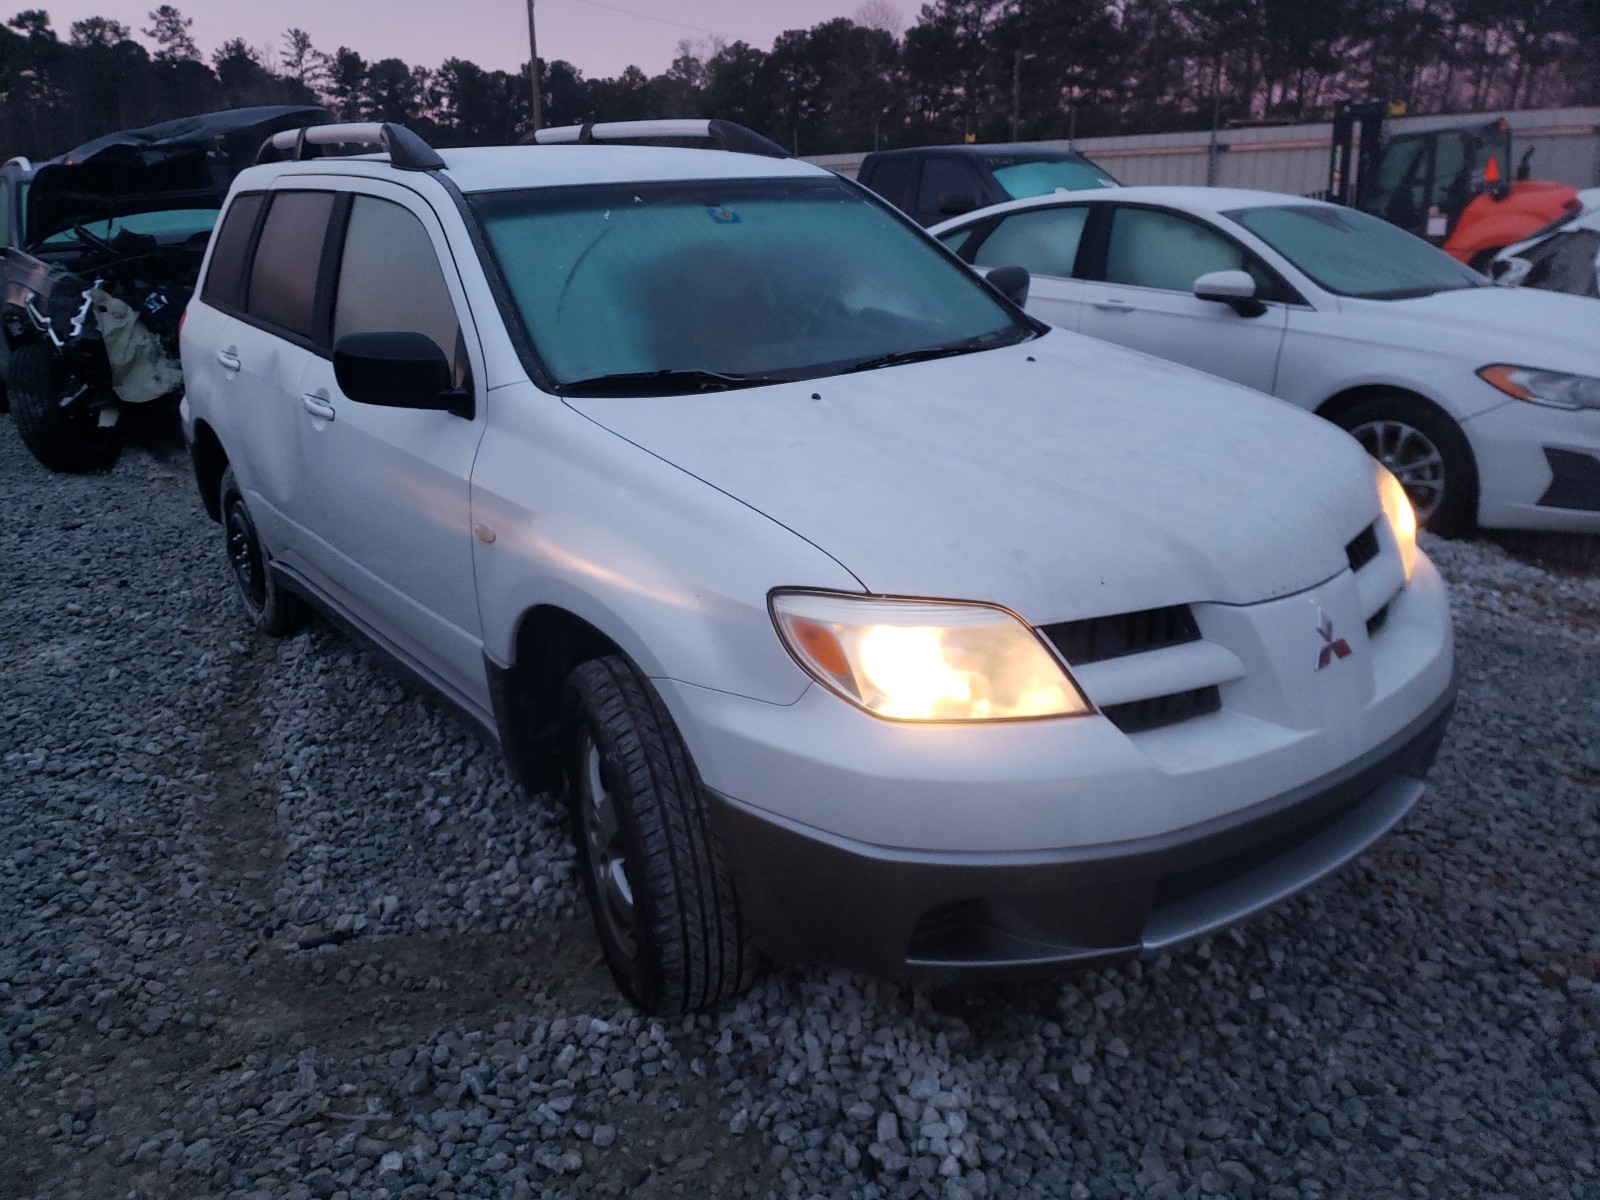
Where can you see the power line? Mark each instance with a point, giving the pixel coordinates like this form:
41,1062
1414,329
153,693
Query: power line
651,17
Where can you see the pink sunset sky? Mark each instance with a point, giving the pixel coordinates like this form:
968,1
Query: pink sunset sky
600,37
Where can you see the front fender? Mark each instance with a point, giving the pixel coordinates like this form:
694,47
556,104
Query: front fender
672,570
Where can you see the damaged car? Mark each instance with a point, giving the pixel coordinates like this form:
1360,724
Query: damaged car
99,251
1564,256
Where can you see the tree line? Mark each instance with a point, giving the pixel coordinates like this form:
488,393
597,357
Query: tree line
985,69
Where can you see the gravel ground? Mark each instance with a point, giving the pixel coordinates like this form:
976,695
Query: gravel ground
273,924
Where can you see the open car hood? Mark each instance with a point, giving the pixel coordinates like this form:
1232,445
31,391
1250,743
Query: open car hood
184,163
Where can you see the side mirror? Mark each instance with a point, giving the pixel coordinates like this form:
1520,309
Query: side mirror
1012,283
397,370
953,204
1233,288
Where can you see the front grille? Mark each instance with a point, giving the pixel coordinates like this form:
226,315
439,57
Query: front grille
1140,716
1099,638
1363,548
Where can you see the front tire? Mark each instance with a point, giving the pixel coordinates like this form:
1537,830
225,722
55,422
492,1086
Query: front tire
1428,454
267,606
660,890
70,439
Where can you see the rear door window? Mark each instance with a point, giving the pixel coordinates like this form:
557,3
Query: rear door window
225,277
283,280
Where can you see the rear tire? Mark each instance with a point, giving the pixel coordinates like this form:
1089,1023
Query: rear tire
69,440
267,606
1428,454
658,884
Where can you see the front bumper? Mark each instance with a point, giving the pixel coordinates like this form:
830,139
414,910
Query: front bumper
815,897
1538,467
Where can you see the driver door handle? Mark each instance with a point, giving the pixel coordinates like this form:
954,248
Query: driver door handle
1113,305
317,406
229,360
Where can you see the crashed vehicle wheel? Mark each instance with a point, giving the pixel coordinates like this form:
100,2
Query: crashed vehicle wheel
56,416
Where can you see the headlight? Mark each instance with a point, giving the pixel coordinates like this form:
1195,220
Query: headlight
925,660
1401,516
1555,388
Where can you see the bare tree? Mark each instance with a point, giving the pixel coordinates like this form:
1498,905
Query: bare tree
883,15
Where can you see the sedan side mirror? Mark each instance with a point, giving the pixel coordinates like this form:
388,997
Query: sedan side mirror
1012,283
1237,289
398,370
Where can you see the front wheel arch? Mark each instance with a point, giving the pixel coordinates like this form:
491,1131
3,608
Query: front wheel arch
1457,511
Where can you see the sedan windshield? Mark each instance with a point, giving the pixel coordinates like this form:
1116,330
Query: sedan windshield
1352,254
652,289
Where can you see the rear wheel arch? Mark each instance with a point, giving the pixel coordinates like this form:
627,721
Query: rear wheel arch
210,460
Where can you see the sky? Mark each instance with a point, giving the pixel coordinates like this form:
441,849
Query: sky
600,37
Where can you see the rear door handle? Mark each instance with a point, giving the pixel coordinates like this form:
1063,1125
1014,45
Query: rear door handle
317,406
1113,305
229,360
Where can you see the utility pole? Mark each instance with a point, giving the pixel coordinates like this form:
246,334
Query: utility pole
533,64
1017,59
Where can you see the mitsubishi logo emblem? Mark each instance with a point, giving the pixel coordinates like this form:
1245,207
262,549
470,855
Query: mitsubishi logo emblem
1332,647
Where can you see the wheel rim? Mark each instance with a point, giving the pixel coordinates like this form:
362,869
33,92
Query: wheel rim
1412,456
607,850
244,553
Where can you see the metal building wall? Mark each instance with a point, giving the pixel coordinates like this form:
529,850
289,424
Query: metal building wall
1294,158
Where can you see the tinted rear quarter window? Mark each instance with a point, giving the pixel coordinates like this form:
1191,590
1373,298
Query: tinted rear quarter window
283,279
225,277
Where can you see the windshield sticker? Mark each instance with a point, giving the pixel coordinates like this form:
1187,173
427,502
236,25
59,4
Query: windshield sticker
723,216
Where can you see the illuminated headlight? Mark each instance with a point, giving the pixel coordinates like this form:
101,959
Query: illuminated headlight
1398,512
925,660
1555,388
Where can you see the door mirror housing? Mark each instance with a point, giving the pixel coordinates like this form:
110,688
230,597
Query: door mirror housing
1012,283
953,204
398,370
1234,288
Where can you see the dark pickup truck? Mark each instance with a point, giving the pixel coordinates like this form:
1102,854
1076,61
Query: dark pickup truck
932,183
99,251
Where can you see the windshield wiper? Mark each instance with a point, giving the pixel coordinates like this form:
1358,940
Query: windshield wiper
666,382
965,346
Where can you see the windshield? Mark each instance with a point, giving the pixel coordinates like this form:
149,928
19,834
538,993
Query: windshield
1022,177
1352,254
646,289
171,224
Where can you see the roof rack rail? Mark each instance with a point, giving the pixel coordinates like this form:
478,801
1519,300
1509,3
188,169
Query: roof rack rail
405,149
20,160
726,134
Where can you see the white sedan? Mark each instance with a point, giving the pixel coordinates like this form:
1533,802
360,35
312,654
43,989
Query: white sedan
1485,401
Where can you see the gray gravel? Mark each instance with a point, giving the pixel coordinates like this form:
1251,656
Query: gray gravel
273,924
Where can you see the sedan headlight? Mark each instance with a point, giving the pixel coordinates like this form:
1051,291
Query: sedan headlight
1555,388
925,660
1398,512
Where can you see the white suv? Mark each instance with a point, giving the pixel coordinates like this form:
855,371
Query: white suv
861,618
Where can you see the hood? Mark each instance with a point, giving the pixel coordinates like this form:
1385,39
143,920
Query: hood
186,163
1062,478
1527,326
